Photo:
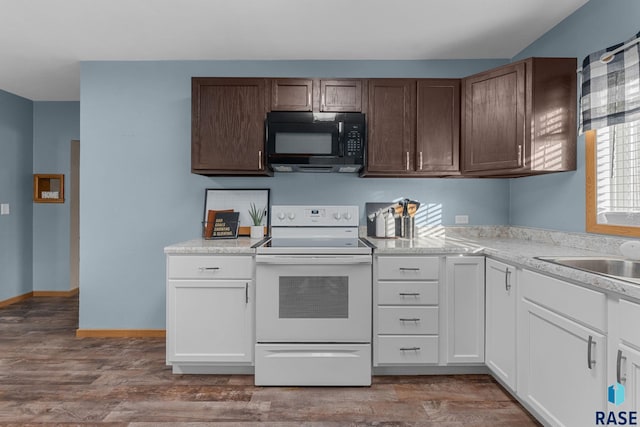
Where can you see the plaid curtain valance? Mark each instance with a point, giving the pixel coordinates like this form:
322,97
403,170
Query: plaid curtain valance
611,89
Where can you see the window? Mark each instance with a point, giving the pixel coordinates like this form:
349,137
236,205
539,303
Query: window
610,105
613,179
618,179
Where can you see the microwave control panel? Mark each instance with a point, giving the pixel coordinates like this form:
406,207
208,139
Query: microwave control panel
354,140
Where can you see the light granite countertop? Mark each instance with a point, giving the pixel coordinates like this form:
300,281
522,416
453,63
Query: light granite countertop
514,245
241,245
517,251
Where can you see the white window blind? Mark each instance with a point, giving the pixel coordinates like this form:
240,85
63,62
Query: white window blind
618,174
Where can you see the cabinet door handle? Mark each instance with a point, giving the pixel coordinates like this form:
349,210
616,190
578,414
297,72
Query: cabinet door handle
590,361
520,155
409,269
409,348
409,294
246,293
259,159
208,268
507,280
420,160
407,160
619,378
413,319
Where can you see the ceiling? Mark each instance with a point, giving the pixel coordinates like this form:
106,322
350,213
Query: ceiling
42,41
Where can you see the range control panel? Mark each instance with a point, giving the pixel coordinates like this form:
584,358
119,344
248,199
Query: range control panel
314,216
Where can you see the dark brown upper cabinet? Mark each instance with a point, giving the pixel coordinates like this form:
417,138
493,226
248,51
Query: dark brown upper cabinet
318,95
341,96
291,94
390,126
227,121
438,127
413,127
520,119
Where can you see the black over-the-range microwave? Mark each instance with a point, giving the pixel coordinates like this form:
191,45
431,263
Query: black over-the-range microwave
315,142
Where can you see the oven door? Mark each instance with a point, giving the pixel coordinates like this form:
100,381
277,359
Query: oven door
313,298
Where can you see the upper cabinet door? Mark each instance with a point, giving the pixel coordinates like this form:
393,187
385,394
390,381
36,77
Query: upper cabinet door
438,125
494,119
291,94
341,95
391,125
228,126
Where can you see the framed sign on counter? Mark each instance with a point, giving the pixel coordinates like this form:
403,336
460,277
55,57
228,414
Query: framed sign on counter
235,200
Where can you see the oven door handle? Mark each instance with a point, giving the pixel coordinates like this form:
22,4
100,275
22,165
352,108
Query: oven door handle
313,259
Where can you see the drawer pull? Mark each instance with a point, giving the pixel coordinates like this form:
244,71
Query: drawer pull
409,348
208,268
409,294
619,378
414,319
590,361
409,269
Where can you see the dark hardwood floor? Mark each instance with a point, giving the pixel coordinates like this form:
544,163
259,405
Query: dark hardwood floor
48,376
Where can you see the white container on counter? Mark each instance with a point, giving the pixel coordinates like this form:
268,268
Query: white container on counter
381,224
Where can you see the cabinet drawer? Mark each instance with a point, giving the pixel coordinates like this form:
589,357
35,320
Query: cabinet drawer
407,349
628,317
209,267
408,320
408,293
573,301
408,268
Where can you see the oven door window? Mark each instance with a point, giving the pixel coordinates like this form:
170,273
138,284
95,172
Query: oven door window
316,297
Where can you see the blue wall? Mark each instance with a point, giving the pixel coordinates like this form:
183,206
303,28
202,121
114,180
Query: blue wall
16,152
557,201
55,124
138,195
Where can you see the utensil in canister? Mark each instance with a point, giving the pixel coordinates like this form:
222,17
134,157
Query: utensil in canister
412,208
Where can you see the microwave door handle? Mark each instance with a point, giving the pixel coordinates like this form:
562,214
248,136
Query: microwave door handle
341,150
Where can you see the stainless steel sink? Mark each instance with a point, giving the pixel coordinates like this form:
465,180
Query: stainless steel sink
616,267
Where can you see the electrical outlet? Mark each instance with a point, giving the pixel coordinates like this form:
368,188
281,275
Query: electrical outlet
4,209
462,219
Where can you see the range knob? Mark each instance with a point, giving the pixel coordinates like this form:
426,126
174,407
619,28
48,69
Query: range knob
281,216
291,215
346,216
336,215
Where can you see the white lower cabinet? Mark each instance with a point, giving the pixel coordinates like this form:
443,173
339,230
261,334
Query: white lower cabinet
406,310
209,310
562,363
628,374
465,309
500,334
625,357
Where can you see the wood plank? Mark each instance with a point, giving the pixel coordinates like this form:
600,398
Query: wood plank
48,375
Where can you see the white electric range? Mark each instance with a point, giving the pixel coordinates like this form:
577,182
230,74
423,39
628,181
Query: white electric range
313,299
